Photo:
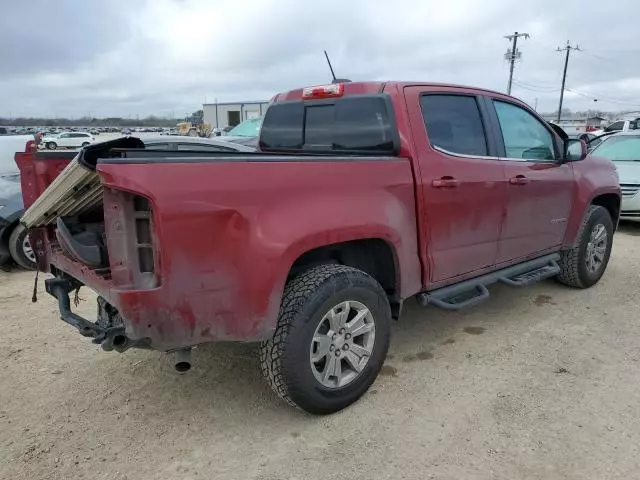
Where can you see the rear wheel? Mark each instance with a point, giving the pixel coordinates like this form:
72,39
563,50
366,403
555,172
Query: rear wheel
51,145
20,248
584,264
331,339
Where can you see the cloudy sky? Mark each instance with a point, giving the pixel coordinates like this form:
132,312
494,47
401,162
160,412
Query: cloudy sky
164,57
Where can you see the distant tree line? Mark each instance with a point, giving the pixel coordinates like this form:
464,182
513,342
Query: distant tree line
150,121
585,114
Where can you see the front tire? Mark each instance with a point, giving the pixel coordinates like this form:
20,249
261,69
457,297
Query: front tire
85,144
584,264
330,341
20,248
52,145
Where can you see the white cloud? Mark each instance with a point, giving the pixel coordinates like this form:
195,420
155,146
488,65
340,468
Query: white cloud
168,55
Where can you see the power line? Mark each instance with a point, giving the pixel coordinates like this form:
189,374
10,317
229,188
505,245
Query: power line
568,49
601,98
512,55
536,88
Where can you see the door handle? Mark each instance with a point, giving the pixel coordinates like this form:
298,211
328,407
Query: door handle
445,182
519,180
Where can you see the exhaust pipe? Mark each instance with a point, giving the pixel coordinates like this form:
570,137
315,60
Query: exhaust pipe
182,361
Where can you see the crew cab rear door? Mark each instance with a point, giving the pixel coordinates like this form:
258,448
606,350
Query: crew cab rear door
539,183
462,186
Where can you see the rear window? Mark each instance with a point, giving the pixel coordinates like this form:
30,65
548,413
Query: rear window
358,124
454,124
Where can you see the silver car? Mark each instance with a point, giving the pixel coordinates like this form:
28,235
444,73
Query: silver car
193,144
624,150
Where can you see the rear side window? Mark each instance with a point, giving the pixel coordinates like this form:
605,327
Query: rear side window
358,124
454,124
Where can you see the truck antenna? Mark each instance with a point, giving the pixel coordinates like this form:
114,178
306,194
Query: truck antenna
333,75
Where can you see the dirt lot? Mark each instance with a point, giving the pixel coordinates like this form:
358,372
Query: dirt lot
535,383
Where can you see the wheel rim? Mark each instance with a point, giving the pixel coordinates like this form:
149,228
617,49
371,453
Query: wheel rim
596,248
342,344
27,250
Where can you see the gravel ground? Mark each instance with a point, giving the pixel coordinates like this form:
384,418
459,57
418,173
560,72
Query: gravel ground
535,383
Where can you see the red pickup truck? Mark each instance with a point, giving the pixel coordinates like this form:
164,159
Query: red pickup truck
361,195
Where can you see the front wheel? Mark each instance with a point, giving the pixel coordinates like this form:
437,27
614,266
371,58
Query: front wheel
330,341
51,145
85,144
584,264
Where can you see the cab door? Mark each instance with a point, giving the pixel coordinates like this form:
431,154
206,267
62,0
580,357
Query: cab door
462,188
539,184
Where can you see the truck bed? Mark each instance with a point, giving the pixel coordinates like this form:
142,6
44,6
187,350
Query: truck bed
197,246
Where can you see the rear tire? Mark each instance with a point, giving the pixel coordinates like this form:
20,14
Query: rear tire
20,248
52,145
584,264
293,360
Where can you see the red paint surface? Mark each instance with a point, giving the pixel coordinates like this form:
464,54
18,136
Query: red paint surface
227,233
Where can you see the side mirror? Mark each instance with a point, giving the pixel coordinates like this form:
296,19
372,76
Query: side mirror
575,150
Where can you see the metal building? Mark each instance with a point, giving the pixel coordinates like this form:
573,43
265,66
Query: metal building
220,115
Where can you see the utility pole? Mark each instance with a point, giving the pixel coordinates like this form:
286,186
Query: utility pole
512,55
568,49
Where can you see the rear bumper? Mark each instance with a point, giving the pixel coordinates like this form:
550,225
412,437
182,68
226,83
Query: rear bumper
60,288
165,317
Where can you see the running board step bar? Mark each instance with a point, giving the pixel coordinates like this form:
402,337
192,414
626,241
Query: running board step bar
471,292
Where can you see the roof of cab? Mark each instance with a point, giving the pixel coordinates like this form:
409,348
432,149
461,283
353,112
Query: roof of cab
355,88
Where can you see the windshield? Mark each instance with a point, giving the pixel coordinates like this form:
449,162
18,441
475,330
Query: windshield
620,149
248,128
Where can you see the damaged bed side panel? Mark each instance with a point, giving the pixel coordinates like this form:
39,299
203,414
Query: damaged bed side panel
225,235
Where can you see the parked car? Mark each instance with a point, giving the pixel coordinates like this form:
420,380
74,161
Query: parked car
591,139
245,133
193,144
619,126
68,140
14,241
362,195
623,148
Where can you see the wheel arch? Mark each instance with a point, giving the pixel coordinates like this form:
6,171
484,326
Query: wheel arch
375,256
611,202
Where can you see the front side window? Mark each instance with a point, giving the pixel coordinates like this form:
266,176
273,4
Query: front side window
454,124
525,137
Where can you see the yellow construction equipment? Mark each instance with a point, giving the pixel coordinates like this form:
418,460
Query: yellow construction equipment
194,129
